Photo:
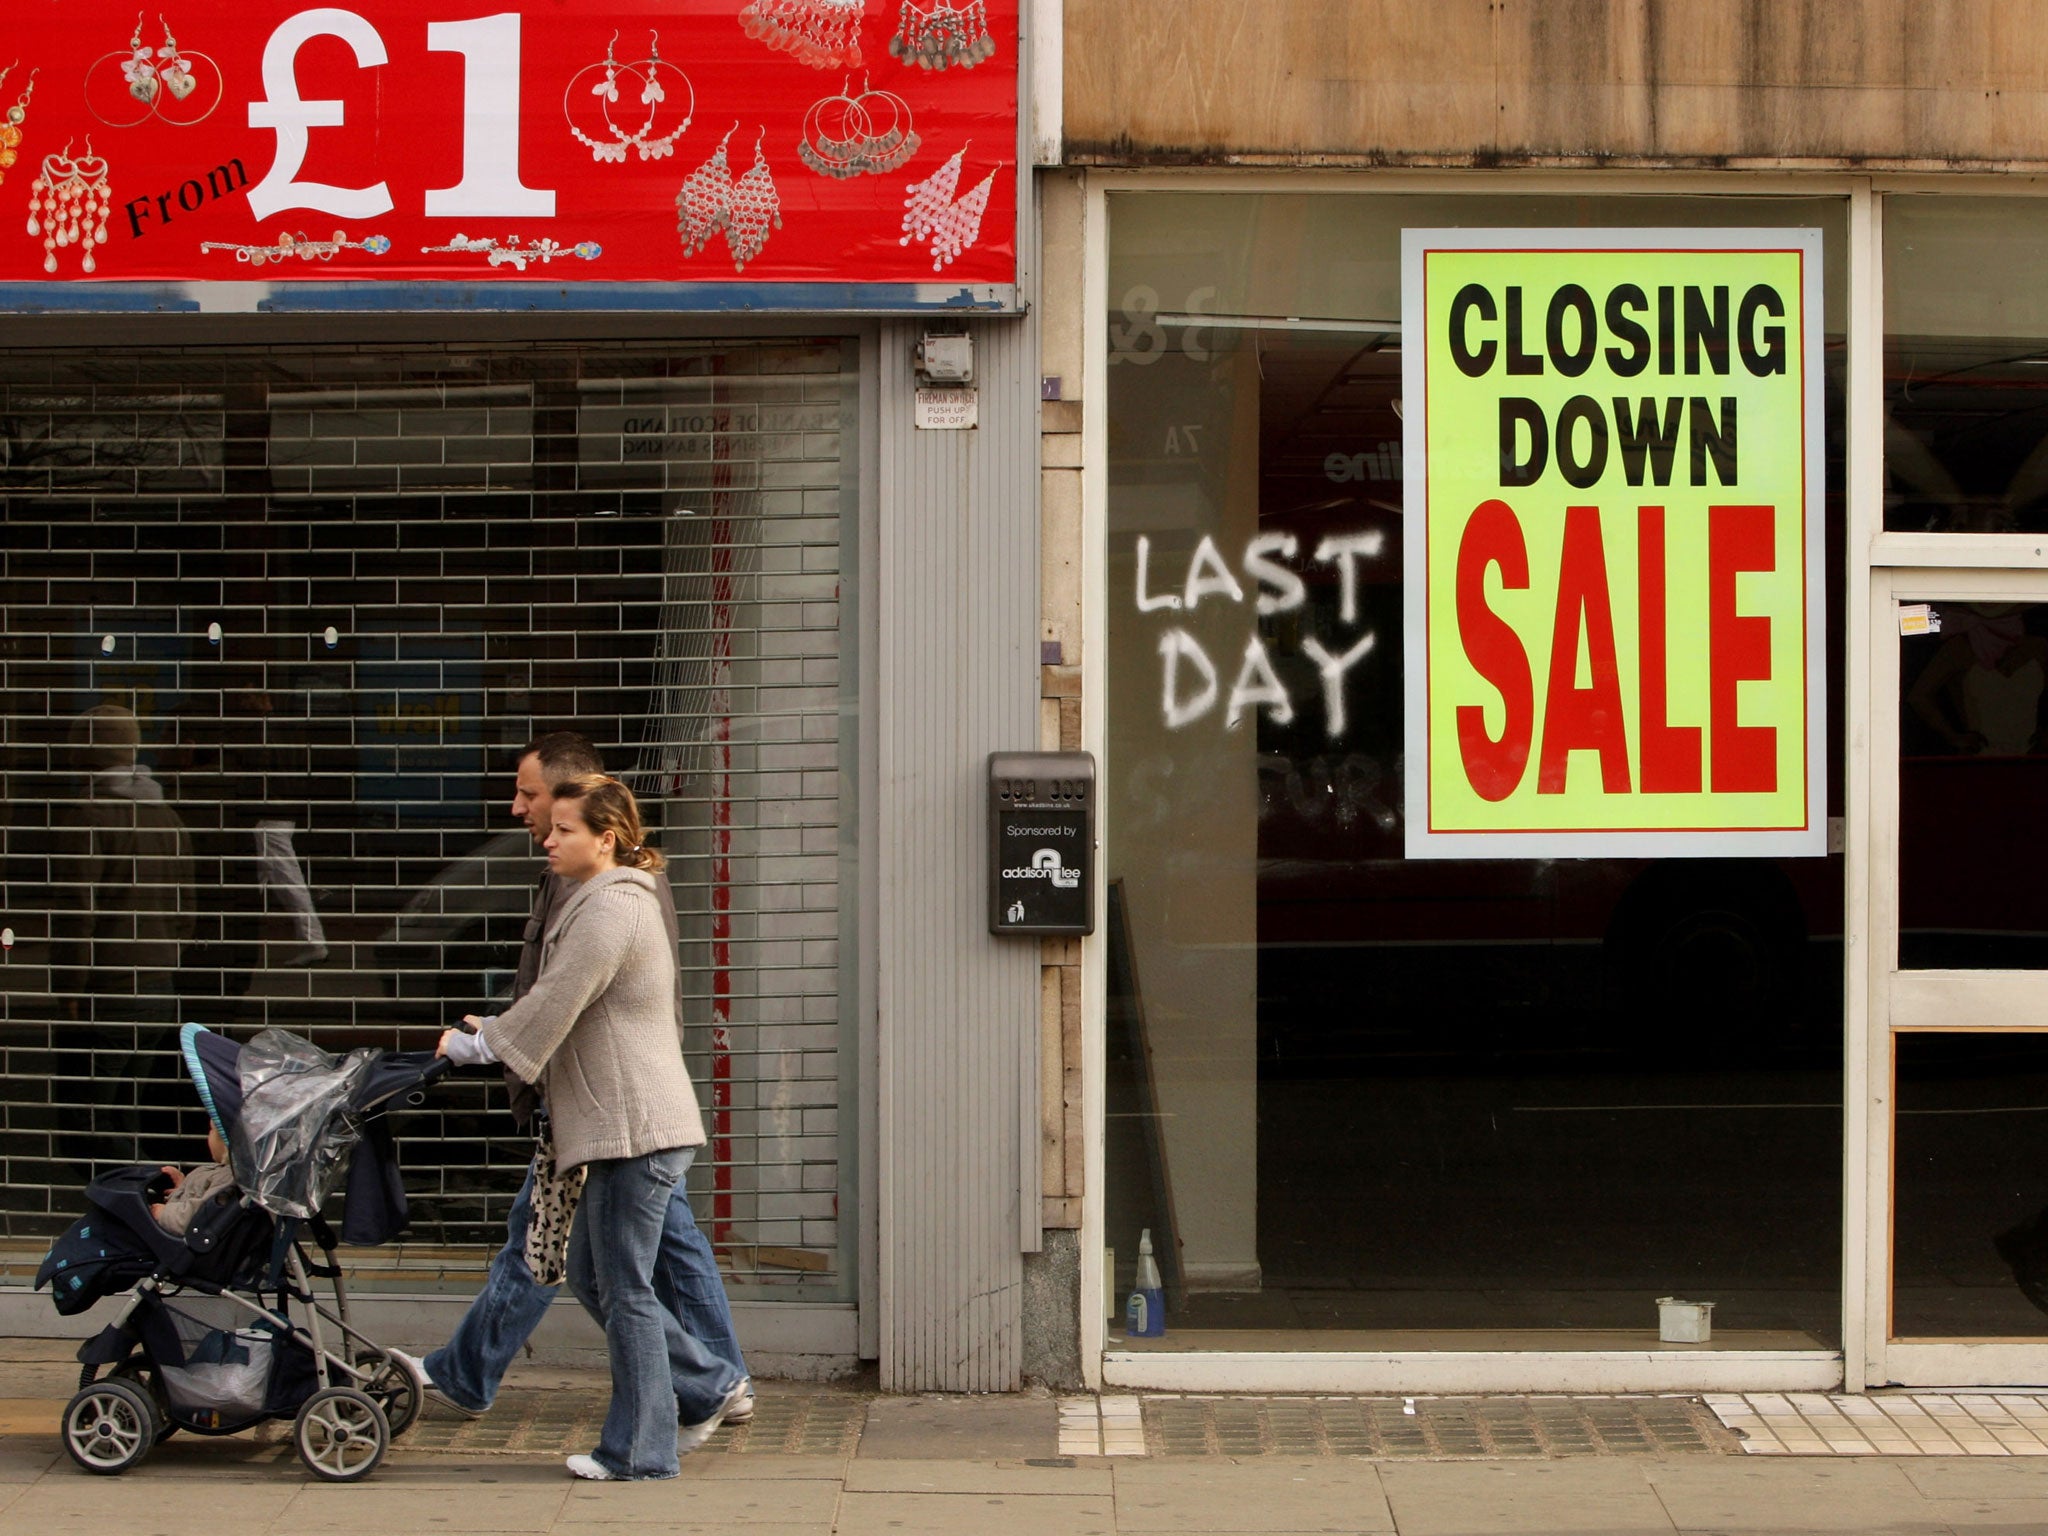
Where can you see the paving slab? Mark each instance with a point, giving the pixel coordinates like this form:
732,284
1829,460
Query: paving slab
1784,1494
1456,1498
1979,1515
1267,1494
388,1506
1953,1477
817,1468
23,1459
875,1476
989,1428
706,1501
974,1514
84,1503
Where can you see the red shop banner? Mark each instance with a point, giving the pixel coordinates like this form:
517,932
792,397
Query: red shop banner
698,141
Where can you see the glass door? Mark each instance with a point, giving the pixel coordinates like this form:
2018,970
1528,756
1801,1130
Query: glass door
1958,1229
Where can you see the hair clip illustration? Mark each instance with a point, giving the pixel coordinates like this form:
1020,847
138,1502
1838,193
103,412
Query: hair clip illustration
165,80
10,126
298,245
711,202
647,74
68,205
824,34
944,35
931,213
866,135
513,253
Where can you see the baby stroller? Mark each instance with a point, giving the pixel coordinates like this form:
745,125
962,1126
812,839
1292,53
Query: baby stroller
208,1341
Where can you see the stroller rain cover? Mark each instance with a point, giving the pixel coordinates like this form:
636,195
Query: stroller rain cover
290,1146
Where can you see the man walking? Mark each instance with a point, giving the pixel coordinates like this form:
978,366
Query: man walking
465,1372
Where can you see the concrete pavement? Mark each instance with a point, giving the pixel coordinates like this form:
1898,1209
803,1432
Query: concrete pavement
963,1467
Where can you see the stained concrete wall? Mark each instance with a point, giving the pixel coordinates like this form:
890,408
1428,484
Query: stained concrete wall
1924,84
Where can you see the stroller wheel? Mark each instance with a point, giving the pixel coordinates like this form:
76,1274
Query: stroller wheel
109,1426
341,1434
396,1392
139,1376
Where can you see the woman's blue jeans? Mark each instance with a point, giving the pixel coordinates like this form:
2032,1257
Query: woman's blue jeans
612,1252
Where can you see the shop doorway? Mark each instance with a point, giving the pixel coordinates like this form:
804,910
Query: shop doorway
1958,1035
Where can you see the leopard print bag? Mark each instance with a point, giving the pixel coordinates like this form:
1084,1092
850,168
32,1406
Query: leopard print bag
555,1195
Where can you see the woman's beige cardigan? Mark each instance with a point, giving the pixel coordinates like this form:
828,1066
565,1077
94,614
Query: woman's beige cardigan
597,1033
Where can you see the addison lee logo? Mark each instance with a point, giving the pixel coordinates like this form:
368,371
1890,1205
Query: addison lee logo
1045,865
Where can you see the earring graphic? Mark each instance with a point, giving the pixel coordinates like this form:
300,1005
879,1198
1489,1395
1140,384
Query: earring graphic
944,35
869,134
68,205
711,202
824,34
755,206
164,80
705,202
647,75
930,213
10,128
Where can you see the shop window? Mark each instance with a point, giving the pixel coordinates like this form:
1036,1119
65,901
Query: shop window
1350,1091
1966,365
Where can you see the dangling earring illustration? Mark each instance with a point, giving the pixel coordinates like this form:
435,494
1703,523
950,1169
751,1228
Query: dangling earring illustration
931,213
175,70
755,205
140,70
824,34
704,205
10,129
945,34
68,205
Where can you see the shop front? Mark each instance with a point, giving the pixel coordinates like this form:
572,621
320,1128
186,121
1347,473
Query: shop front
382,390
1566,708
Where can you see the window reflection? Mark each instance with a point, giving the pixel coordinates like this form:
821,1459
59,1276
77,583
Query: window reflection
1973,788
1970,1240
1966,365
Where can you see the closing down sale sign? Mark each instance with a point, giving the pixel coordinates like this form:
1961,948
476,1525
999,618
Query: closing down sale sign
1614,557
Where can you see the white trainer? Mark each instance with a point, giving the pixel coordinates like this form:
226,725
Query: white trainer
743,1410
417,1368
591,1468
690,1436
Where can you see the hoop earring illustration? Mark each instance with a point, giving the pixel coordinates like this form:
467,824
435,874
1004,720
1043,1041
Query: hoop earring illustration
866,135
647,74
161,79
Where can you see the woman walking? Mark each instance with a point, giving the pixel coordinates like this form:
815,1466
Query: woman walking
597,1035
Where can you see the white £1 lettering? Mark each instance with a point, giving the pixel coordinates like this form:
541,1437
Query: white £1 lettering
287,115
490,185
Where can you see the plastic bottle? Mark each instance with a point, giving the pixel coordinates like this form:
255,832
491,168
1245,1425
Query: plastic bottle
1145,1314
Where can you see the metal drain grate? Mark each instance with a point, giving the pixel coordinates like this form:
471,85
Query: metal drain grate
1440,1428
528,1423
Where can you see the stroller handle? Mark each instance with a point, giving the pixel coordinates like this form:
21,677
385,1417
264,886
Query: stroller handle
436,1069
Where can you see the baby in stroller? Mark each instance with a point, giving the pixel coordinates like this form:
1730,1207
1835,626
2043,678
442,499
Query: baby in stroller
220,1328
189,1193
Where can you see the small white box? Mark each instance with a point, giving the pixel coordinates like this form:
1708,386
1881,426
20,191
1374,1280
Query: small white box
1684,1322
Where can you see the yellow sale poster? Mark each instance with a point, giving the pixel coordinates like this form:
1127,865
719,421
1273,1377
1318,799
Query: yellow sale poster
1613,543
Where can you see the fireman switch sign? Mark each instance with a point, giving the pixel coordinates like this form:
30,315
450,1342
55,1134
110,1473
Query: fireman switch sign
1613,552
